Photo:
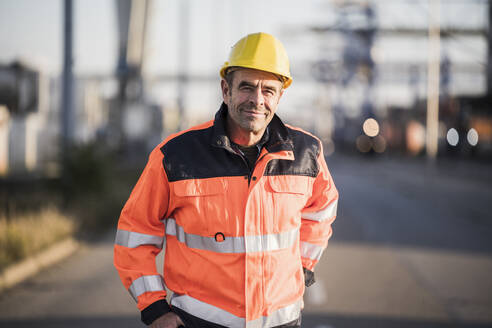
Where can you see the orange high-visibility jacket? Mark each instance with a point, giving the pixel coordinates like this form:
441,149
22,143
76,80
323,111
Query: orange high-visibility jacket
236,240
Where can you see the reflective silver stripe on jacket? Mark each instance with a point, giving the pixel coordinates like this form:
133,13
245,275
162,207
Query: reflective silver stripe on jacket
248,244
219,316
132,239
271,242
311,251
279,317
146,284
325,214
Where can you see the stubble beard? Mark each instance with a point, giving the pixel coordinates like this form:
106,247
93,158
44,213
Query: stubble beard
251,124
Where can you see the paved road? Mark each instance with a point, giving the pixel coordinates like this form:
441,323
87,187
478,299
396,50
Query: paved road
411,248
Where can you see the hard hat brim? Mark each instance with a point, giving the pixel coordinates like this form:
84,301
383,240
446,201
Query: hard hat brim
286,80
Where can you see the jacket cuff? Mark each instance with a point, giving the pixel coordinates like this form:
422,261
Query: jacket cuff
308,277
154,311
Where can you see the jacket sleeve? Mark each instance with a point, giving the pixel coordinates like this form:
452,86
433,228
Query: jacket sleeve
317,216
140,237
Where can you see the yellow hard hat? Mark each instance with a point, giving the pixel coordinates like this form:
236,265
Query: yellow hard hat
260,51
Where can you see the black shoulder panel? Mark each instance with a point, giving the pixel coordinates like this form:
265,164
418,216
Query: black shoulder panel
306,152
191,155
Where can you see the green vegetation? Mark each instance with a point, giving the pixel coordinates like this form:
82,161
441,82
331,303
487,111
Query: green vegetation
96,187
85,203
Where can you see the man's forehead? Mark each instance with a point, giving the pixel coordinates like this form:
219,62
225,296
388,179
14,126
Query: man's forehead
250,74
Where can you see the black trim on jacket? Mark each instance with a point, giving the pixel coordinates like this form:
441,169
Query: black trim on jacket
154,311
208,153
191,321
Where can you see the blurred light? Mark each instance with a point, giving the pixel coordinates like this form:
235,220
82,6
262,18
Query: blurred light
377,54
472,137
379,144
371,127
453,137
415,137
363,143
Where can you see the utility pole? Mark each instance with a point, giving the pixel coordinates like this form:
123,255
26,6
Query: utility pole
489,52
433,79
183,38
132,30
67,123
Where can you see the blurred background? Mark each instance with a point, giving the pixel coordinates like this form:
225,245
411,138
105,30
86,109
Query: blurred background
399,91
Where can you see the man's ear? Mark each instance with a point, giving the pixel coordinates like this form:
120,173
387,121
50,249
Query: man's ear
280,95
225,90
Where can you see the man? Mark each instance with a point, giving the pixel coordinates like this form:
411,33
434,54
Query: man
243,203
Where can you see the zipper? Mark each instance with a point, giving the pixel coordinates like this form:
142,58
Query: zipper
250,170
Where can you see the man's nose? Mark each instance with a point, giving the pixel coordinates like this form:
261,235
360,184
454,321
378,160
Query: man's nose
256,97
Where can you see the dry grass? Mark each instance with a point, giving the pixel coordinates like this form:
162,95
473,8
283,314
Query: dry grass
26,234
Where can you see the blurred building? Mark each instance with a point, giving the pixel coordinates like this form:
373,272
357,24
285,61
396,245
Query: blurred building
108,110
30,118
367,61
376,67
20,100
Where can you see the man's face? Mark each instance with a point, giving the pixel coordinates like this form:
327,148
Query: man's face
252,99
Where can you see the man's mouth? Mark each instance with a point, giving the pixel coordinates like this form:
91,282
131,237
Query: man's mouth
254,113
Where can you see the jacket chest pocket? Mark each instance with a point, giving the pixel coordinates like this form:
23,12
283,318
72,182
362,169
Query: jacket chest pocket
289,195
200,205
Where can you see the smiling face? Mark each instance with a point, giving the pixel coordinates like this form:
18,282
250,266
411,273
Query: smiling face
252,100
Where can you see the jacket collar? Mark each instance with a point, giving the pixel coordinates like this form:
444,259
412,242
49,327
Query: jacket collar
278,138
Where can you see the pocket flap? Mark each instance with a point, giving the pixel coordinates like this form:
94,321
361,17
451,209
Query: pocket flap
199,187
289,184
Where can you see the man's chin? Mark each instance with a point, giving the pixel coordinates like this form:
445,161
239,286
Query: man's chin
253,127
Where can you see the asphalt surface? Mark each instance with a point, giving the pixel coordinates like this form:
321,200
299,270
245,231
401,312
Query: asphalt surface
411,248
